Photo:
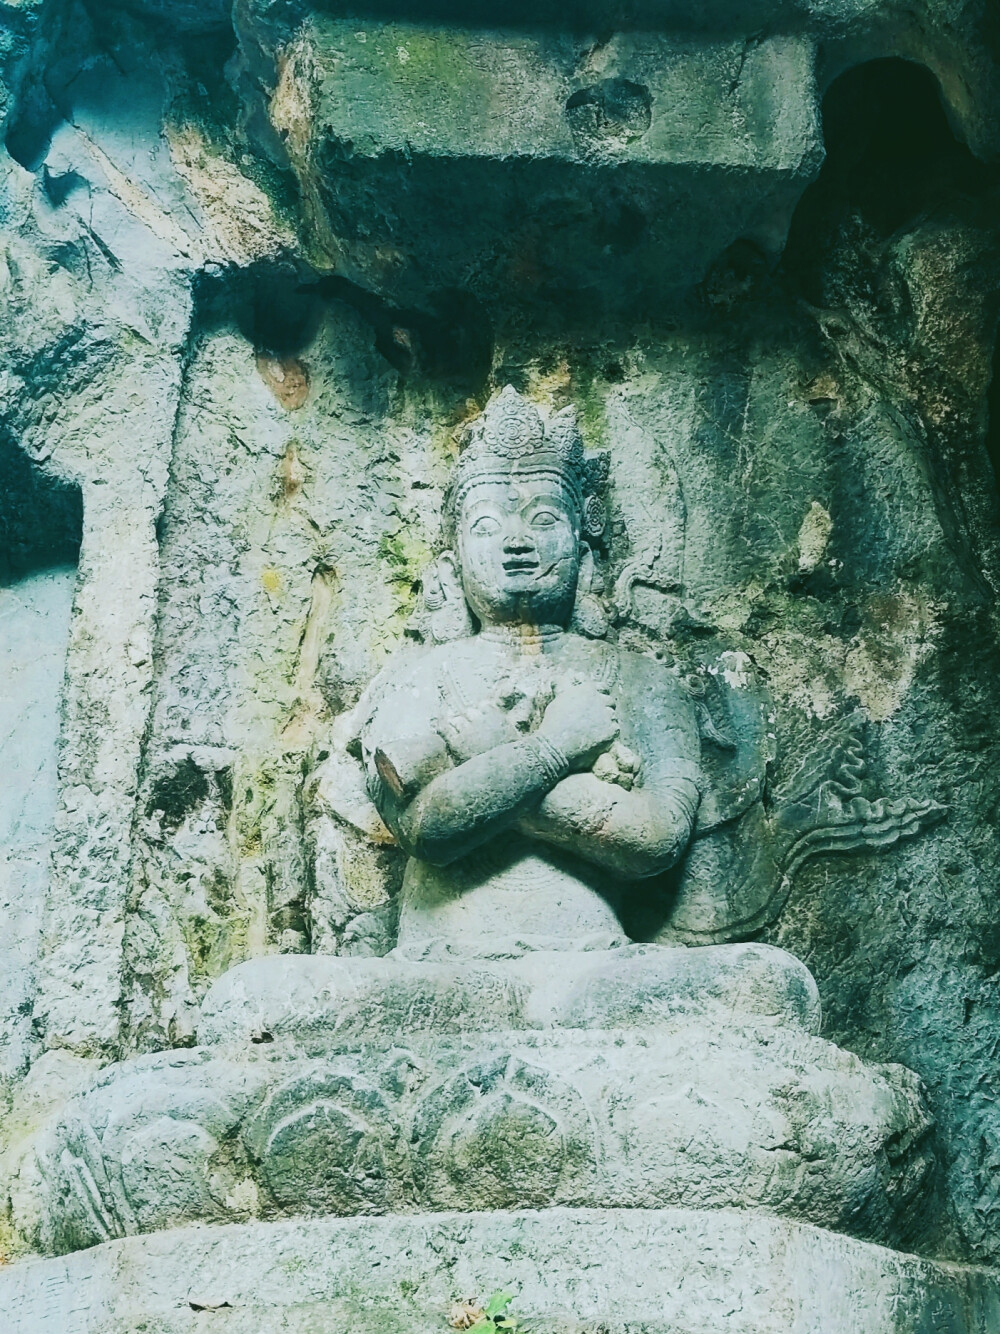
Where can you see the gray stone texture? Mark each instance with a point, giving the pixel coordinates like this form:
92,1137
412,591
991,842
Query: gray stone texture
35,618
681,1271
261,266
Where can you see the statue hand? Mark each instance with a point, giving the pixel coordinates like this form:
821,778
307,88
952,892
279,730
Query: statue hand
473,731
618,765
581,722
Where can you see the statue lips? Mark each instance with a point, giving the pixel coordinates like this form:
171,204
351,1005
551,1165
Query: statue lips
530,565
515,565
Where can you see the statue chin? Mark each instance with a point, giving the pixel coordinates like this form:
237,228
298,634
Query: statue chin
513,605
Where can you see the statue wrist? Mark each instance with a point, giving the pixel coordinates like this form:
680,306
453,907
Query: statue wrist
548,757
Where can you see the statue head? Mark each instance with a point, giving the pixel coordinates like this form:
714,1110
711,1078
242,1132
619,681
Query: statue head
520,513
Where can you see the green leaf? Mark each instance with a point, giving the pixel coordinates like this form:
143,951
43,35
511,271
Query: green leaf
498,1304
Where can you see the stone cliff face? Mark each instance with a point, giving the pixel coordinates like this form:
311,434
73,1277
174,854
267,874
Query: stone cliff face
260,264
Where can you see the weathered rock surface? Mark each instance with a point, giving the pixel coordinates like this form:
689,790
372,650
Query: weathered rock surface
261,264
575,1270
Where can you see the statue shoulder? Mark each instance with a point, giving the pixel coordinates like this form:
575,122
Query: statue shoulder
640,679
407,689
645,675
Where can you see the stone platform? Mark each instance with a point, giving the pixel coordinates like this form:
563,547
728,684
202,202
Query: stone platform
676,1077
672,1271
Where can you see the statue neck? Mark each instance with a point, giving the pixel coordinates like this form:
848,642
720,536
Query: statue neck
523,638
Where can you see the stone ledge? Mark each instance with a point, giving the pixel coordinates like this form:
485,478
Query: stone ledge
453,92
619,1271
432,157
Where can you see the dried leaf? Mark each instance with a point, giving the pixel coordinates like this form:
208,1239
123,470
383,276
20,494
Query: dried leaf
466,1315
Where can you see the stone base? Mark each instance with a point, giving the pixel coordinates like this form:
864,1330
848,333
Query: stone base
672,1271
660,1111
644,1077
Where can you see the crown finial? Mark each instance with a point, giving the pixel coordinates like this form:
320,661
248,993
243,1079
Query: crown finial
511,426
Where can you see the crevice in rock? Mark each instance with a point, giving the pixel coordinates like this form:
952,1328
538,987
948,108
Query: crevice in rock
993,416
41,517
273,306
30,131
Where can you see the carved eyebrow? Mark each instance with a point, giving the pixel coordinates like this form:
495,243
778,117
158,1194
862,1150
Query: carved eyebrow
484,503
557,498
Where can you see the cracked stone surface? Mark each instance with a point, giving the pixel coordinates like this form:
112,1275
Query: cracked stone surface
262,264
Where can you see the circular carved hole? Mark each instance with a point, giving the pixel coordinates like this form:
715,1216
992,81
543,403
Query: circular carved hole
611,113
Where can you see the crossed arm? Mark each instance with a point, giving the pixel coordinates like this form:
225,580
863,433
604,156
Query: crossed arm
633,834
540,785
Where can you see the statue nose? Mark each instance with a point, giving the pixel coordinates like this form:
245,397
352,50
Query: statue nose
517,540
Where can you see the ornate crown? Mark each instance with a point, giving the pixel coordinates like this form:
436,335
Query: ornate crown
511,438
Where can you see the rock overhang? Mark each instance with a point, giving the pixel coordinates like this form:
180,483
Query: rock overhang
656,98
606,158
744,17
511,161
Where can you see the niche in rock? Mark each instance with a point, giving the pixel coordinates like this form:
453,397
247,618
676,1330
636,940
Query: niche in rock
891,156
40,529
894,245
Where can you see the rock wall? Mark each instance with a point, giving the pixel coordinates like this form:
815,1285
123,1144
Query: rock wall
260,263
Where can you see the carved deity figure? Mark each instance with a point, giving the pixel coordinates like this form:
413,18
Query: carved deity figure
515,1049
529,771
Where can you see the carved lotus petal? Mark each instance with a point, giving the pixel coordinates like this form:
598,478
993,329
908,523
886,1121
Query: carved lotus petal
327,1144
500,1134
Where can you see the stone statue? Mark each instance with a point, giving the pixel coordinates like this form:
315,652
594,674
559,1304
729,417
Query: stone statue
533,771
529,771
515,1049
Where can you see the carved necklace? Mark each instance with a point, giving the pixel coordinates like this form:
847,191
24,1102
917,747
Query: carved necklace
527,639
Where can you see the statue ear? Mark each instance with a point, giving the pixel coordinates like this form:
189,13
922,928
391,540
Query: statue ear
447,572
443,596
590,616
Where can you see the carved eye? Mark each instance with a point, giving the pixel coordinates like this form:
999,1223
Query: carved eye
486,525
544,519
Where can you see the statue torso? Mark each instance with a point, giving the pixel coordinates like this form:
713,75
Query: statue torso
515,893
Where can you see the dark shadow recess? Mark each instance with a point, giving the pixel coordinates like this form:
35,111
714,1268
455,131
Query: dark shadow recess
891,156
41,518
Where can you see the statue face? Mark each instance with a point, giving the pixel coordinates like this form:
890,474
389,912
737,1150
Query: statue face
519,551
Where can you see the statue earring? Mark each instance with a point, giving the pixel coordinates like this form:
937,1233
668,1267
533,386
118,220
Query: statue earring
443,597
590,618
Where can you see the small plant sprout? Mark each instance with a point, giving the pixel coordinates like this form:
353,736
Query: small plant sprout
495,1315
